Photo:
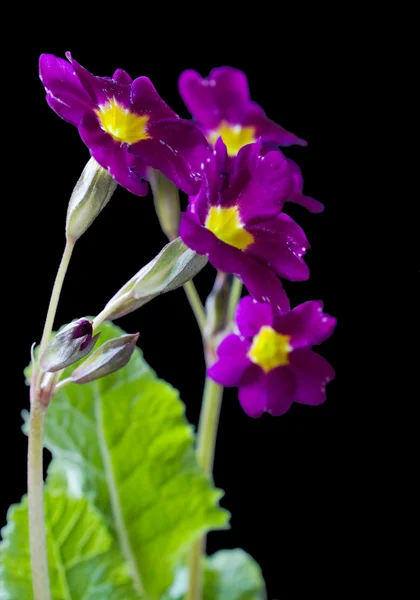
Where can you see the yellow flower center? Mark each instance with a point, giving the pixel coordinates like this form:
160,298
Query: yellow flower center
270,349
121,123
226,225
233,136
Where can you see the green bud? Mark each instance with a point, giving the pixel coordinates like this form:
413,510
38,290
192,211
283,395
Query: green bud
170,269
217,305
167,204
108,358
92,193
72,343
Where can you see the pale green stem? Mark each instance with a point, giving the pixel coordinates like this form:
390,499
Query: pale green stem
37,535
62,384
206,443
109,309
234,297
196,304
39,402
55,295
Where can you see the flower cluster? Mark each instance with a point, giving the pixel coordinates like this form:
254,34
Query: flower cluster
229,162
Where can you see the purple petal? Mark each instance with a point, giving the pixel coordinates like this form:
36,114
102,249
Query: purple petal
194,235
281,243
259,184
259,279
213,167
232,362
126,169
283,227
122,77
100,89
314,206
297,196
268,130
272,392
306,324
312,374
65,94
222,96
252,315
284,258
146,100
252,392
175,147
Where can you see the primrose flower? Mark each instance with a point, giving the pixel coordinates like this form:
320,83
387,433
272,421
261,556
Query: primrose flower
236,221
222,105
124,123
270,360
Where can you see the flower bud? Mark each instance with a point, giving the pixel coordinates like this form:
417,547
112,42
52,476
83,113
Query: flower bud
167,204
70,344
217,305
93,191
108,358
172,267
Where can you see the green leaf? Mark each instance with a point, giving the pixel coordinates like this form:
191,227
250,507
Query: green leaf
124,443
84,562
228,575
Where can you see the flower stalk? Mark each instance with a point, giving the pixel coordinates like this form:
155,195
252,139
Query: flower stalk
37,534
55,296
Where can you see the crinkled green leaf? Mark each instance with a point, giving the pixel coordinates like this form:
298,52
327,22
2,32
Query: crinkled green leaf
228,575
123,442
84,561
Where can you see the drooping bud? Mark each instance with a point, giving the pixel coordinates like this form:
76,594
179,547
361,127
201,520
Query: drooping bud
217,305
108,358
92,193
70,344
170,269
167,204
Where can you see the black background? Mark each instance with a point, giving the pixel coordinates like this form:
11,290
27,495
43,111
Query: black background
278,473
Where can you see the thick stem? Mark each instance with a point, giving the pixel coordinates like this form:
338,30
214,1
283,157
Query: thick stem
37,535
207,428
196,304
55,295
234,297
206,443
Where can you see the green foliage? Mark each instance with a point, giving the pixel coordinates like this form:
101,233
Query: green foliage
228,575
84,561
124,443
125,498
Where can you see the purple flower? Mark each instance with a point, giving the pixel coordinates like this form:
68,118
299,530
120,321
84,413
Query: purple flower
236,221
270,360
125,124
222,105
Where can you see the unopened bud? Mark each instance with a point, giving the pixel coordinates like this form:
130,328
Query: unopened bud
108,358
69,345
217,305
92,193
167,204
172,267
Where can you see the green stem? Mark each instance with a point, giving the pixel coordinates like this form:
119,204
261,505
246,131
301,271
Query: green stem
207,428
206,443
234,297
62,384
37,535
109,309
196,304
55,295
